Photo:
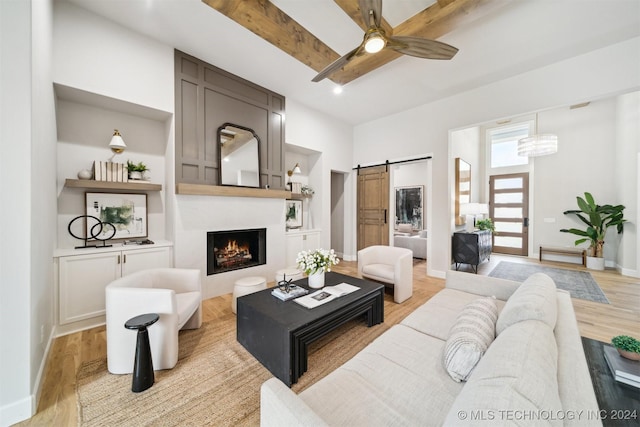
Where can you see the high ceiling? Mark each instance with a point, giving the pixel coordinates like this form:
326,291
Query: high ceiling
497,39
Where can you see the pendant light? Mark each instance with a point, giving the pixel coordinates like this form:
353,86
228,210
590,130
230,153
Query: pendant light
538,144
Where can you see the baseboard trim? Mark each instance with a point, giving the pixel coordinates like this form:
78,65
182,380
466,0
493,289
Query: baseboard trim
24,409
15,412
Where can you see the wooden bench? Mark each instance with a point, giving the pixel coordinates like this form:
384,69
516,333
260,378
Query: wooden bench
564,251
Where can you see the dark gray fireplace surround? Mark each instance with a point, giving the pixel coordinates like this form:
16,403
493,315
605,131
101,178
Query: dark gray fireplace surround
230,250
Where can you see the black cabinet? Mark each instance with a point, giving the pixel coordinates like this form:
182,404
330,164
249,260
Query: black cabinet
471,248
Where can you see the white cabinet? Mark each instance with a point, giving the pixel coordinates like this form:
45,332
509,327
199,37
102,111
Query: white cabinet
301,240
82,277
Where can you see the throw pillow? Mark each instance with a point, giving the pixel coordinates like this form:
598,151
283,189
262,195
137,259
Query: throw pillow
470,336
405,228
535,299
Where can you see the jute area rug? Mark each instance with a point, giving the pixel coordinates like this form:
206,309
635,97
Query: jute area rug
216,381
580,284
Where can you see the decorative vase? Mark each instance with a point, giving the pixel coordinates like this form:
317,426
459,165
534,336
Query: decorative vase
595,263
316,280
84,174
628,354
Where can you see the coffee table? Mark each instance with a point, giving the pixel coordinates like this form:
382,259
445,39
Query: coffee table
278,333
619,403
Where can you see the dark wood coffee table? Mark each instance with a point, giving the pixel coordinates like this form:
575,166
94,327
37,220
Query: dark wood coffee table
277,333
619,403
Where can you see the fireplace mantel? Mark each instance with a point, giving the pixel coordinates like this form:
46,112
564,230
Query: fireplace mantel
218,190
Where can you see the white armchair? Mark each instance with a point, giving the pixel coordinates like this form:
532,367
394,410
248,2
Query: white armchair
174,294
391,265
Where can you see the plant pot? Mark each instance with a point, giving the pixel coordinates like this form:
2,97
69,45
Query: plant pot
316,280
628,354
595,263
135,175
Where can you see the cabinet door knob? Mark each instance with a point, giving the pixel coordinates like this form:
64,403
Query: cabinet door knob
124,258
118,259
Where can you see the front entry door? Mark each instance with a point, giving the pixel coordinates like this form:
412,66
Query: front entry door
373,206
509,209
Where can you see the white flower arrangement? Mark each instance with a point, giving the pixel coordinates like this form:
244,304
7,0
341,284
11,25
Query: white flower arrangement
317,260
307,191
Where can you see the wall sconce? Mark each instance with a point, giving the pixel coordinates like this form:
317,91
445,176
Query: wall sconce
117,144
295,171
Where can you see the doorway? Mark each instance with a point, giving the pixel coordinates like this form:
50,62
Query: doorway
509,208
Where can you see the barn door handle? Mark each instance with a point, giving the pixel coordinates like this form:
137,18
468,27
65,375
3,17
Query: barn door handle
385,216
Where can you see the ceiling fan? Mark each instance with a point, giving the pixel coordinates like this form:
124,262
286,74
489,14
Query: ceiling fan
375,39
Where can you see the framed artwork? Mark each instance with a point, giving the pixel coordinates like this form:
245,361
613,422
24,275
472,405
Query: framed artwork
126,212
409,206
294,213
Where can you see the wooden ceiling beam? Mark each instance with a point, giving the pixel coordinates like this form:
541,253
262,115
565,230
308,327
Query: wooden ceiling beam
264,19
351,8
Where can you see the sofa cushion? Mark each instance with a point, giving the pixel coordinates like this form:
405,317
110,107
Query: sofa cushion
535,299
383,272
470,337
437,316
398,379
517,377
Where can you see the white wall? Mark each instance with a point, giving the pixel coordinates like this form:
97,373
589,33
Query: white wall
102,57
315,131
585,162
593,75
27,217
15,240
627,176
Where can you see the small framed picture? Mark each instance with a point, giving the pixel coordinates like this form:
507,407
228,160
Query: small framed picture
126,212
293,214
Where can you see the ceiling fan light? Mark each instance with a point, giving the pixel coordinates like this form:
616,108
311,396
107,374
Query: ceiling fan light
375,43
538,145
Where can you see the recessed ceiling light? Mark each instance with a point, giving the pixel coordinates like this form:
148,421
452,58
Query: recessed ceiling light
337,90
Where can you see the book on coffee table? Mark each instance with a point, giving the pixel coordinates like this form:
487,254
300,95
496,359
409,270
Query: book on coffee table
295,291
326,294
623,370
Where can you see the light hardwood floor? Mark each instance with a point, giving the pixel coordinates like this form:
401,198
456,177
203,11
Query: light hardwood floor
597,321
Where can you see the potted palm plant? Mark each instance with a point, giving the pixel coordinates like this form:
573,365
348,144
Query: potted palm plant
598,219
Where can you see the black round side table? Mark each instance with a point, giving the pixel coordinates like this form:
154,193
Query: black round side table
143,365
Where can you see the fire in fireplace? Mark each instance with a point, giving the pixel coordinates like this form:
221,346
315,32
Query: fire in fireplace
236,249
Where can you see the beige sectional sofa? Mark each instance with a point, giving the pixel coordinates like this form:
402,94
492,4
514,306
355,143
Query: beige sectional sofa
533,373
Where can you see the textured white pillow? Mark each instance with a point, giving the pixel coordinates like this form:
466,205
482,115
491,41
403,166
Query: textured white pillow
469,337
405,228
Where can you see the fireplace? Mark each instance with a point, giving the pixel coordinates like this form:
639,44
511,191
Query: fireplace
236,249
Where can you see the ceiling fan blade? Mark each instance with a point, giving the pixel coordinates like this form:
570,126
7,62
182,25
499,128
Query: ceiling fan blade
337,64
421,48
371,5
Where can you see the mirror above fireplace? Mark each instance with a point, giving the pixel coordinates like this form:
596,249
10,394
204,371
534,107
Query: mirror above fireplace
238,156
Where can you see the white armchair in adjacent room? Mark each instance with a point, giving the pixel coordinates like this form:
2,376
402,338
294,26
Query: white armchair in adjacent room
173,293
391,265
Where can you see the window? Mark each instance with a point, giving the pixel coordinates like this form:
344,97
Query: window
504,144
